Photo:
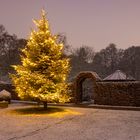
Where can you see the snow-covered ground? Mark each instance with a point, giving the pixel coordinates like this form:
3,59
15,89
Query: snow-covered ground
89,124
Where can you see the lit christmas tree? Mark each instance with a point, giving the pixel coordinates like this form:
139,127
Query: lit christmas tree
44,69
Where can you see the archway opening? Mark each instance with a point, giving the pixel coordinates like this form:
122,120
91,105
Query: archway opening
87,90
84,86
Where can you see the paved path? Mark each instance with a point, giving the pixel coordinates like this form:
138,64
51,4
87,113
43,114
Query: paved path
90,124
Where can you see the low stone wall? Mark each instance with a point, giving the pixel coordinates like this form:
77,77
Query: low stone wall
117,93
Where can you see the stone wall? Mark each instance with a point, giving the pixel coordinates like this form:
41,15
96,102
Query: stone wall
117,93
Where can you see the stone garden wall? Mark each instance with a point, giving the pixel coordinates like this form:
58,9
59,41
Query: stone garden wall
117,93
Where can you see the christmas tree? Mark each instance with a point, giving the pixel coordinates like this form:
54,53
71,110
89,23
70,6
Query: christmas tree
44,69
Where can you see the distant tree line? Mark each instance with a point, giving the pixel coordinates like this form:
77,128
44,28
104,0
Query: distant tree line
107,60
104,62
9,51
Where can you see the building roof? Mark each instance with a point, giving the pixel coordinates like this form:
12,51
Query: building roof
118,75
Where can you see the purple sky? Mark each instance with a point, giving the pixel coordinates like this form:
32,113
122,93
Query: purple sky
95,23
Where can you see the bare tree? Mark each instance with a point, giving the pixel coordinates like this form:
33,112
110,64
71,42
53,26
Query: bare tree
81,59
9,50
107,60
130,62
61,38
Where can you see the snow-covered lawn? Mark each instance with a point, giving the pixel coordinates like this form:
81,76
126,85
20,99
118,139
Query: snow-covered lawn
70,123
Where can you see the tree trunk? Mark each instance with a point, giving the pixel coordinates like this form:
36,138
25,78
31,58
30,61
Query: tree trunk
45,105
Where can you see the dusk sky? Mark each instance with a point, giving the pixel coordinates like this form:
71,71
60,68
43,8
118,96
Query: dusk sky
95,23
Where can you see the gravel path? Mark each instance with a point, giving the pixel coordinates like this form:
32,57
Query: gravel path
90,124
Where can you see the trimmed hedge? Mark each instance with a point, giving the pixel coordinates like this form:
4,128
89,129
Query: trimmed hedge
3,104
10,89
117,93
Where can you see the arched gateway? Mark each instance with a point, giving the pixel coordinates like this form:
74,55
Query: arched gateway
81,77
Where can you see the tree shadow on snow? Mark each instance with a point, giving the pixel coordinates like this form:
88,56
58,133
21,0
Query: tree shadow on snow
38,110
